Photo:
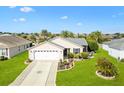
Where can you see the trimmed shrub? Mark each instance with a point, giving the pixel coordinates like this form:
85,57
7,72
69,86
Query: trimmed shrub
77,56
2,58
93,46
106,68
29,60
5,58
70,55
84,55
122,60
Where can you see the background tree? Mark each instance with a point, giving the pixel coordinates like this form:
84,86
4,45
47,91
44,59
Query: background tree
44,33
122,35
32,38
71,34
117,35
66,34
50,35
80,35
24,36
96,36
93,46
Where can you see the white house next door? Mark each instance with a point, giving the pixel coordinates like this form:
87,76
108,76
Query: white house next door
48,55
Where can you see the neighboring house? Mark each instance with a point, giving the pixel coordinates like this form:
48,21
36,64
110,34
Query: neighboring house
115,48
108,36
57,48
12,45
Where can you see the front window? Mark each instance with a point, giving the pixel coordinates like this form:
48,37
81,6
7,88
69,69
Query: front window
76,50
3,52
85,49
27,45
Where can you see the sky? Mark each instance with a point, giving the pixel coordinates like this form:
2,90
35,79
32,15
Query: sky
77,19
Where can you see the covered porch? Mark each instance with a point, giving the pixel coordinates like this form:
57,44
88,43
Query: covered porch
65,52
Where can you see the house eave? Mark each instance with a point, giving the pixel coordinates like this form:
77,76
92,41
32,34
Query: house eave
44,43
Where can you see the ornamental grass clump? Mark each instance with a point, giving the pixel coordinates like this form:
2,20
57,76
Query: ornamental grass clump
106,68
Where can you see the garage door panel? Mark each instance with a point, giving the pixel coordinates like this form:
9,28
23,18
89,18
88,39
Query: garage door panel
47,55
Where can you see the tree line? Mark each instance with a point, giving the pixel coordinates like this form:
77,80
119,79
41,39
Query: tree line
44,34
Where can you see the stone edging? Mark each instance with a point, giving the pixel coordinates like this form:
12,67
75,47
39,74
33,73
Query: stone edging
107,78
67,69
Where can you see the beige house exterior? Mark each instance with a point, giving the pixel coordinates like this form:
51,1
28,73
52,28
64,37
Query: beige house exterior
12,45
57,48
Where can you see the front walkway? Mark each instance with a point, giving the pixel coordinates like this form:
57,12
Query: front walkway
38,73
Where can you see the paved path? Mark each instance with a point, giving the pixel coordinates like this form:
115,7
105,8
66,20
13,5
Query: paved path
38,74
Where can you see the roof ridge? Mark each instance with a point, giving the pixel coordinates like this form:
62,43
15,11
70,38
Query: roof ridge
56,44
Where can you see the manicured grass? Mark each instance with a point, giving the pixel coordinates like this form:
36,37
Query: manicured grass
83,74
11,68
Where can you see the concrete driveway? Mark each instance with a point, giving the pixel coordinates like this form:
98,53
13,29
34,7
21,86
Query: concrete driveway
38,73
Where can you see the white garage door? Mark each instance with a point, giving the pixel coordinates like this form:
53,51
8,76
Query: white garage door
47,55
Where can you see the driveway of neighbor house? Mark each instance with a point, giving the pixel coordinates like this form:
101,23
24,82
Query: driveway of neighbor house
38,73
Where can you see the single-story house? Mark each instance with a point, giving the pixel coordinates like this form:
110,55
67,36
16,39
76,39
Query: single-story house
12,45
57,48
115,48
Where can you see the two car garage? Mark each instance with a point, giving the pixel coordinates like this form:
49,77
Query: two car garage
46,51
47,54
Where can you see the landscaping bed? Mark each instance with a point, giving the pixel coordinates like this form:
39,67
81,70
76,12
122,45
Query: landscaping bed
71,58
84,73
106,69
65,65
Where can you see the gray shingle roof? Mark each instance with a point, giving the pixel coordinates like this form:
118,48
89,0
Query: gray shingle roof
116,44
7,41
79,41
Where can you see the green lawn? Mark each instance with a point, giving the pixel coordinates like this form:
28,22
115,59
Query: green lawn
83,74
11,68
